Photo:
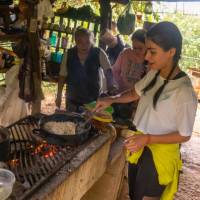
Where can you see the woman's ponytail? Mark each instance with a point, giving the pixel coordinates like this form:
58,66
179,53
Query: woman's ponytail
167,36
151,84
160,90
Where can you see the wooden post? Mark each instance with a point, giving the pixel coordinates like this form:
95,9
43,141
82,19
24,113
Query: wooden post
106,17
33,37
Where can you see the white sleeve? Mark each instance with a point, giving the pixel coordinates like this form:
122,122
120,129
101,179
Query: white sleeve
104,61
185,117
63,66
140,85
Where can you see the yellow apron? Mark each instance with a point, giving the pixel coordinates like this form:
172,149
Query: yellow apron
167,162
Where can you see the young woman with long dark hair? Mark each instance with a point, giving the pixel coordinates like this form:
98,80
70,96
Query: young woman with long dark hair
164,118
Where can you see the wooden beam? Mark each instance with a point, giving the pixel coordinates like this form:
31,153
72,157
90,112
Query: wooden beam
120,1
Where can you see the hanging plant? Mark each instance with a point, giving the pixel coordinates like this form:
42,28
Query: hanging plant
126,21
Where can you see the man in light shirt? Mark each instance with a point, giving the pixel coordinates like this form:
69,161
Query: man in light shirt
80,69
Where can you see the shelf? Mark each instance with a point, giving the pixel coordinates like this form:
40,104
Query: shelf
58,47
11,37
58,31
91,20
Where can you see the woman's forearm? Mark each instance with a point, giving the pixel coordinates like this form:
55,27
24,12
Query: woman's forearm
136,142
170,138
126,97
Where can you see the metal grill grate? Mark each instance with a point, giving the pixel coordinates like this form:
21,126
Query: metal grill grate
32,162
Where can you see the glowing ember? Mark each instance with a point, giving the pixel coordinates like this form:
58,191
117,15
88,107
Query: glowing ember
45,150
14,162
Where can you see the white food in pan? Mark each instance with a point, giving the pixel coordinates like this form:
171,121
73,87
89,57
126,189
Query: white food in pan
61,128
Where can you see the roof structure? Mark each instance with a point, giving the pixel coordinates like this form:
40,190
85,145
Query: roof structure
190,8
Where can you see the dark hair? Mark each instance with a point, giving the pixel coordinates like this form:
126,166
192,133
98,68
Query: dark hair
139,35
166,35
82,31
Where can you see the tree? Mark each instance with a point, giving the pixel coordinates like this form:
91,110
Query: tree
190,29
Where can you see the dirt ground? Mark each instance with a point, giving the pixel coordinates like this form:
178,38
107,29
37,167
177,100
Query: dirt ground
189,187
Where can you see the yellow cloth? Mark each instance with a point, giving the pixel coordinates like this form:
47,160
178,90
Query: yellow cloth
167,162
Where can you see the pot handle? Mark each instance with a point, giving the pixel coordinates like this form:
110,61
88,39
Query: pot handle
37,136
36,131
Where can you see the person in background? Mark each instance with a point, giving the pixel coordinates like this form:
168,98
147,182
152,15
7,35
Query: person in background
130,65
114,44
80,69
127,70
164,118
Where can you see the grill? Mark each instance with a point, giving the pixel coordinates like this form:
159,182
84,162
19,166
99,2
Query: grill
33,162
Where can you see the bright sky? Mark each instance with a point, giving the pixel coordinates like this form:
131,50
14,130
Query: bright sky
192,7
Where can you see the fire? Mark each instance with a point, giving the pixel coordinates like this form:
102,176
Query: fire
45,150
14,162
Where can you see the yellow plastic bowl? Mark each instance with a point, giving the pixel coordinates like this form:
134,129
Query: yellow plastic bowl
106,120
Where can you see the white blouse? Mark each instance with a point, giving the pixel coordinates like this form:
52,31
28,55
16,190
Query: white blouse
175,109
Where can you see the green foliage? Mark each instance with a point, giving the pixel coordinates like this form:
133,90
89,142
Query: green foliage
190,29
73,3
81,13
49,88
189,25
76,4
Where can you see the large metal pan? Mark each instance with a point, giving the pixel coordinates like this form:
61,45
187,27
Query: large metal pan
62,139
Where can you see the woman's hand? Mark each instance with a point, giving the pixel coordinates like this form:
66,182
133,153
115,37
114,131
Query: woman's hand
136,142
103,103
